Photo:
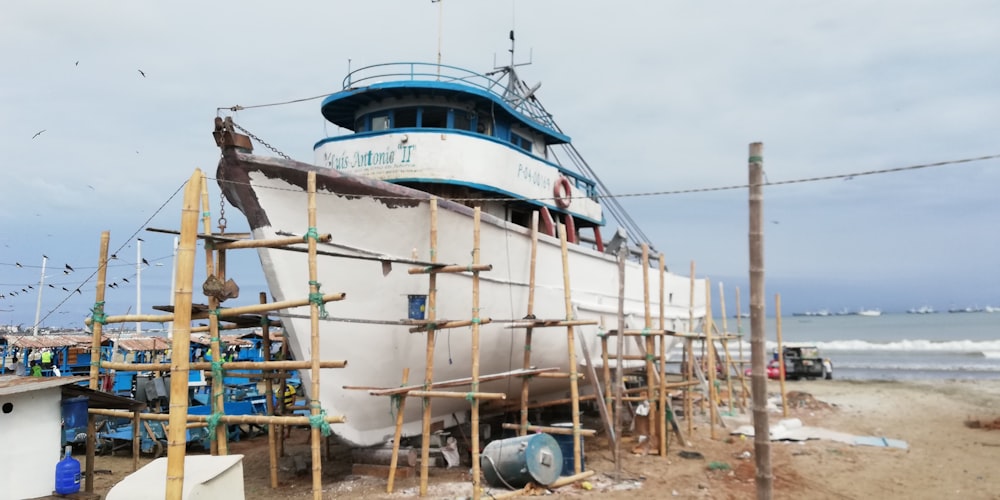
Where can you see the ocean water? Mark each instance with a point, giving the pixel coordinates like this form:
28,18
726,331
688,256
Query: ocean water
895,346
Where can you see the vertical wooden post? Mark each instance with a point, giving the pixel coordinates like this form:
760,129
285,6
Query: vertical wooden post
725,346
272,442
710,356
95,354
574,379
758,335
219,444
661,419
650,350
314,404
620,349
781,354
526,381
744,392
181,346
476,476
689,353
425,448
608,395
399,433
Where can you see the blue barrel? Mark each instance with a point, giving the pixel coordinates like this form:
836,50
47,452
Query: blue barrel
418,304
514,462
566,445
74,412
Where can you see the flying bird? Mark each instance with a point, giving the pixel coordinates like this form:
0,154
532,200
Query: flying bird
38,133
76,63
69,268
142,73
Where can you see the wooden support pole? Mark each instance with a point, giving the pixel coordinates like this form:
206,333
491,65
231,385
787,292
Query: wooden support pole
661,419
725,346
459,382
220,444
315,436
181,345
448,324
272,438
552,430
710,353
781,354
226,419
689,354
229,365
606,371
758,335
458,395
95,355
745,392
543,323
398,434
429,366
619,352
602,406
650,348
270,243
526,382
574,386
476,476
450,269
225,312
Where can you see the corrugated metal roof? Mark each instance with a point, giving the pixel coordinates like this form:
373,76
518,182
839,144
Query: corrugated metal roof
144,344
12,384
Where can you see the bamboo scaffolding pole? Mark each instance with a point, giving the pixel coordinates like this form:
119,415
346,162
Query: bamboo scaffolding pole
476,475
606,372
689,354
526,382
552,430
397,434
781,354
135,442
713,415
450,269
739,330
183,277
459,382
662,419
272,438
725,346
449,324
314,403
224,312
227,419
758,335
619,350
220,445
229,365
544,323
429,367
650,347
95,350
571,347
458,395
599,397
559,483
269,243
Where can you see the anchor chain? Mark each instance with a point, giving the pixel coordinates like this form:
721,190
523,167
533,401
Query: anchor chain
264,143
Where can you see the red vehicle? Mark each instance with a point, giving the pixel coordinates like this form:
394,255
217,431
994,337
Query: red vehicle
773,371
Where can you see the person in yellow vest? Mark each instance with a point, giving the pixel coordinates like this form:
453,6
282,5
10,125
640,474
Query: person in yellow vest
46,359
289,398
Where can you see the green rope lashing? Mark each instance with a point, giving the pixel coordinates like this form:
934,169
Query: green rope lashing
527,347
217,368
650,357
215,312
470,397
97,313
317,298
265,321
207,214
645,332
756,159
213,422
395,401
319,420
476,321
311,233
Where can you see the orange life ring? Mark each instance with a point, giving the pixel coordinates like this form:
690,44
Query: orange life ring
561,192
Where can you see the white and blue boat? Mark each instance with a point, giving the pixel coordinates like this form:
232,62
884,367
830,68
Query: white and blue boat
415,132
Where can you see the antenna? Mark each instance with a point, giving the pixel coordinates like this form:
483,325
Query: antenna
440,24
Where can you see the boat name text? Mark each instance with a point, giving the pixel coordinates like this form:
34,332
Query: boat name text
388,157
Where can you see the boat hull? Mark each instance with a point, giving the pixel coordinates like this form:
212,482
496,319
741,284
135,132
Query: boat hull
370,218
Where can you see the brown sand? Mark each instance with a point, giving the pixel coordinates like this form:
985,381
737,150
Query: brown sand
946,457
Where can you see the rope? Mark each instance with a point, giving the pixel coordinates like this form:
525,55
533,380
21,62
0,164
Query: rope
319,420
311,233
317,298
97,313
213,422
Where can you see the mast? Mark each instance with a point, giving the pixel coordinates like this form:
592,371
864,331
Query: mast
138,284
38,307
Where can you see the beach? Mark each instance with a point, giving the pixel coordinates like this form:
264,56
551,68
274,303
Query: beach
944,458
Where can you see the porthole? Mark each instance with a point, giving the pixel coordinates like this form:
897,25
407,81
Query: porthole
8,407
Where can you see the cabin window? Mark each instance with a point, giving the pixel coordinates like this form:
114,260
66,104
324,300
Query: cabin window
433,117
359,123
403,118
461,120
520,141
380,122
484,124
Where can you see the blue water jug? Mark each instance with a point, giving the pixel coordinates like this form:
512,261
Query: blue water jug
68,474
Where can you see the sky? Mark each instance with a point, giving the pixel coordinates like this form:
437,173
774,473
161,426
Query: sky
107,110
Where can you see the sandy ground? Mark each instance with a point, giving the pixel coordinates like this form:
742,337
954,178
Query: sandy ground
945,456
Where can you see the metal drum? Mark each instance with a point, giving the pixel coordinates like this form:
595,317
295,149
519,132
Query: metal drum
514,462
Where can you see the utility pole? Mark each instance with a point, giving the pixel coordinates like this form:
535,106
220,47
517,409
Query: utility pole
38,307
138,284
